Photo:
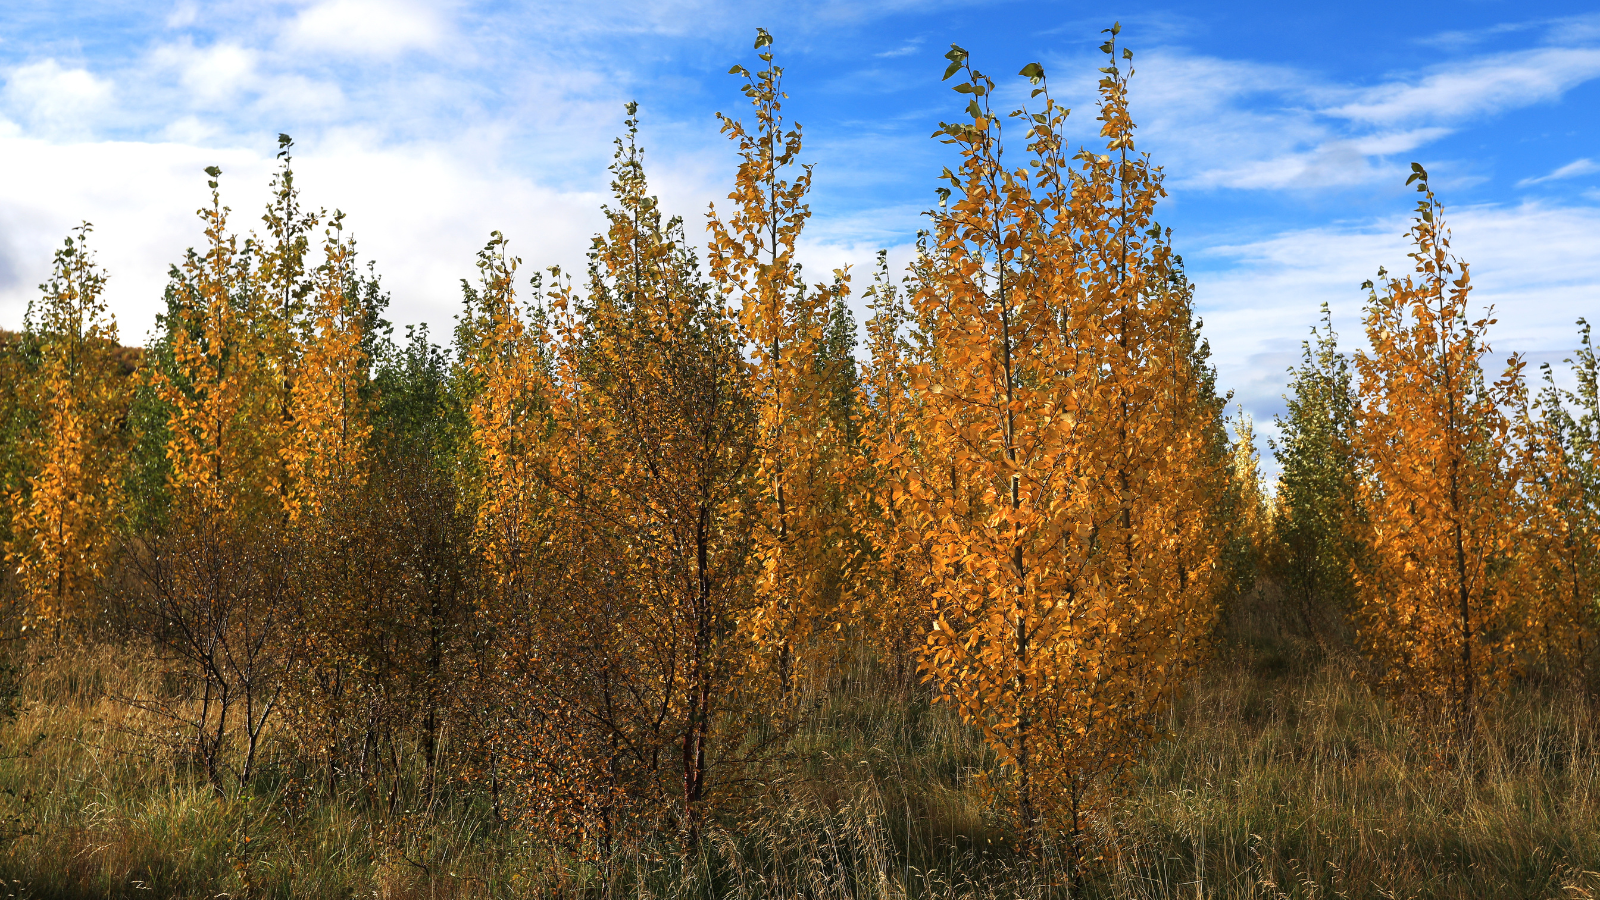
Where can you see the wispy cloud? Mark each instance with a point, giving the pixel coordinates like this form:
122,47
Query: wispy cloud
1480,86
1236,124
1572,169
906,49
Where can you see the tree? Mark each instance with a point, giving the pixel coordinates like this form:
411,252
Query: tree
622,624
384,593
327,446
279,285
209,579
1248,512
1315,529
224,419
889,583
1058,468
212,597
795,337
1558,437
65,511
1440,490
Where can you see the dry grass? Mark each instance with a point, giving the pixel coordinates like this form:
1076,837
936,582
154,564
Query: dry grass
1305,785
1283,780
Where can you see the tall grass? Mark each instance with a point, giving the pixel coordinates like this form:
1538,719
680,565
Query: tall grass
1283,777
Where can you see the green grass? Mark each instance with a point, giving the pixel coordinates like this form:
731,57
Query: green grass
1283,778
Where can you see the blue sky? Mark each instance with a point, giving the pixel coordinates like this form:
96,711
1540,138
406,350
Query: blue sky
1285,131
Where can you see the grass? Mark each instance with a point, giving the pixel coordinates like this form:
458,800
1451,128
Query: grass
1283,777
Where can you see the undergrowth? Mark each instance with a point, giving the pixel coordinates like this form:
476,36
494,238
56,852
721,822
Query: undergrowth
1283,776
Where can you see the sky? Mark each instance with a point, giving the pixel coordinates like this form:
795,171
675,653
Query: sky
1285,132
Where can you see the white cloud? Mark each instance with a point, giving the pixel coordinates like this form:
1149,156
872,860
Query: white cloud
1484,85
1570,170
141,198
1534,264
377,28
210,76
54,100
1240,124
421,212
906,49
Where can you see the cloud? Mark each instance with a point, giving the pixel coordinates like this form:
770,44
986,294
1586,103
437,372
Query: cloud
374,28
1461,40
421,211
910,47
54,100
1244,125
210,76
183,14
1570,170
1480,86
1534,264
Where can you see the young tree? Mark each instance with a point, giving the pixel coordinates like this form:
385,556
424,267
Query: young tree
384,594
1249,515
280,284
212,596
209,581
224,421
1059,465
326,448
65,511
1440,494
1314,531
889,582
1559,443
794,336
628,664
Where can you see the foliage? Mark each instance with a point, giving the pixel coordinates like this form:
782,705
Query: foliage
1440,494
1560,460
798,338
1316,523
646,586
1054,468
626,665
64,511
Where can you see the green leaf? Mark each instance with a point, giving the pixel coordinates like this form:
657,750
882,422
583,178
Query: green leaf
213,171
1033,72
763,39
957,57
